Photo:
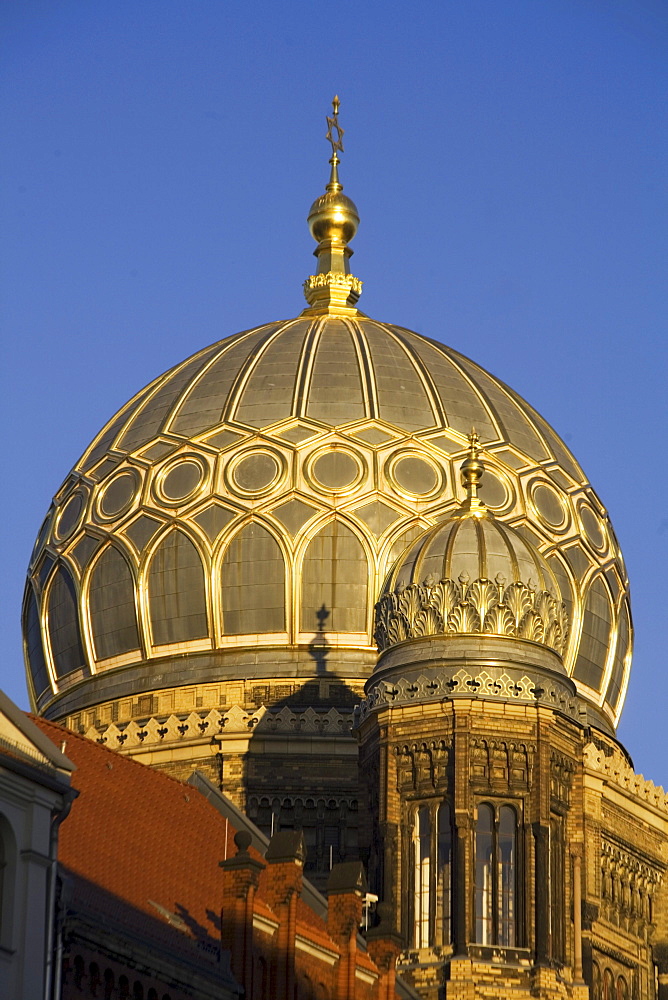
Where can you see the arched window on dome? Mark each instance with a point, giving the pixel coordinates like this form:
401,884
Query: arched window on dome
253,583
620,661
335,581
176,591
111,600
595,636
63,624
33,643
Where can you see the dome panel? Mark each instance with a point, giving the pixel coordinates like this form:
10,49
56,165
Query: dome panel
517,426
147,423
64,634
595,636
402,399
269,391
111,601
253,583
204,403
335,395
463,406
33,645
335,580
105,440
622,654
176,593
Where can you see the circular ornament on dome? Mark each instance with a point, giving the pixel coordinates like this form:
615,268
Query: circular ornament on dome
180,479
254,473
335,470
69,516
414,474
118,495
494,491
593,527
549,506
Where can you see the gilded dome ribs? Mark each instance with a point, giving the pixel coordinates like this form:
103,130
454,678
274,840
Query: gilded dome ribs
202,405
304,369
365,367
425,376
237,400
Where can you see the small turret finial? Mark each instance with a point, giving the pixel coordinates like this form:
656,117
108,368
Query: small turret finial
333,221
472,470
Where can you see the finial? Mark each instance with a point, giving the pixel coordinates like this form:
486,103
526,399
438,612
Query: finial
333,221
472,470
334,129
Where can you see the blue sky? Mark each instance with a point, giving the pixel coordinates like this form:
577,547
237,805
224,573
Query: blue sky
509,162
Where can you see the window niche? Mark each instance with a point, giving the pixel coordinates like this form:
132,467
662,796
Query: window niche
497,876
431,873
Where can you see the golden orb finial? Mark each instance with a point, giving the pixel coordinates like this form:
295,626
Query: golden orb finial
333,222
472,470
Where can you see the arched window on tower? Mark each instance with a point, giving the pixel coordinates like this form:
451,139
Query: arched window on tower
335,580
253,583
176,593
444,876
422,876
432,875
496,876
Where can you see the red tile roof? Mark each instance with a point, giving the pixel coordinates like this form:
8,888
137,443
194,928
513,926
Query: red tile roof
140,835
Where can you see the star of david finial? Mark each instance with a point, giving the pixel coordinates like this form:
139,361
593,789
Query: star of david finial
334,130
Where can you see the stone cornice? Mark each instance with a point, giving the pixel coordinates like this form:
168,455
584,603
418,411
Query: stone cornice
618,772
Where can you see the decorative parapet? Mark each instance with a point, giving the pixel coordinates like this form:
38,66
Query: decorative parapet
204,726
621,774
483,607
440,684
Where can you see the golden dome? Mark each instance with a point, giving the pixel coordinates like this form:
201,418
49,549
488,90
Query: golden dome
471,575
258,493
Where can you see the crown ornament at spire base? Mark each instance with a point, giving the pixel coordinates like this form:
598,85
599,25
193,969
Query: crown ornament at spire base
333,221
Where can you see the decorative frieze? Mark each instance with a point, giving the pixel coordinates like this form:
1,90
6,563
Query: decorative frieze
501,763
628,884
617,770
422,767
203,726
440,683
482,607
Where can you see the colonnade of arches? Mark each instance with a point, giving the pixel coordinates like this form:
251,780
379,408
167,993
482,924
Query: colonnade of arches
178,595
120,611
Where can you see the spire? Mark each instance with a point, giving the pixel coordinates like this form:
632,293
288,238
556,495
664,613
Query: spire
333,221
472,470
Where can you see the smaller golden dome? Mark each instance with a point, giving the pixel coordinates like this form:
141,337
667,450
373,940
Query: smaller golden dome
471,574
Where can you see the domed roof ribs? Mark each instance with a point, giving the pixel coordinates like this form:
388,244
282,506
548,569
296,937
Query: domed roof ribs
306,362
234,396
429,385
366,368
187,417
419,344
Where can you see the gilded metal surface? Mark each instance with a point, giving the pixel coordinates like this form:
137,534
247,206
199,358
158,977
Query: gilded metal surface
430,591
333,220
275,477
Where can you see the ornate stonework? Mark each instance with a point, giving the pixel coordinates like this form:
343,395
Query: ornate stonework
482,607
